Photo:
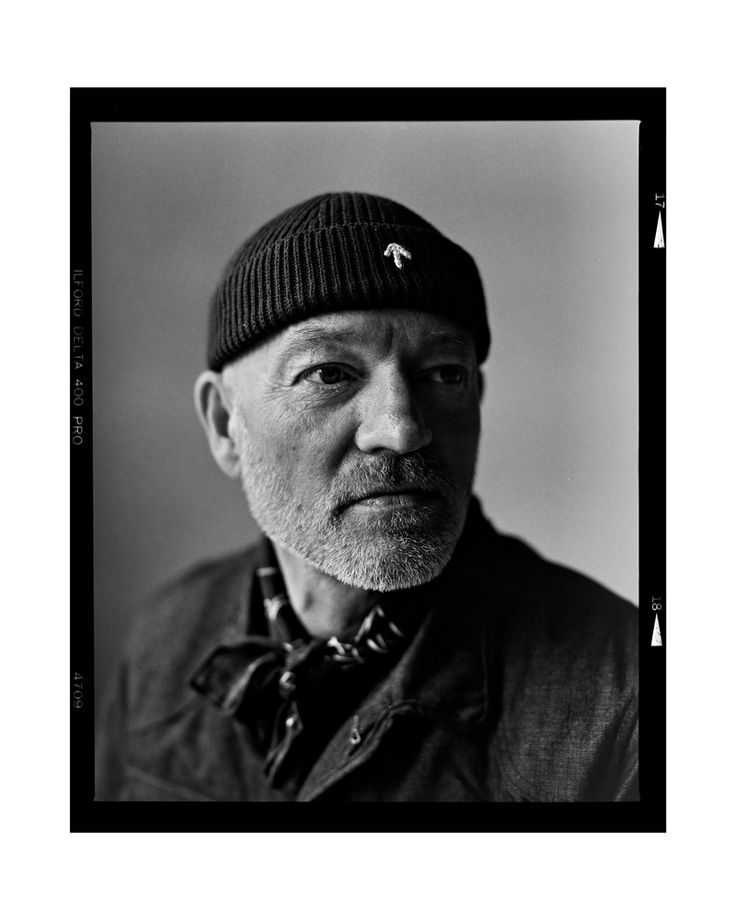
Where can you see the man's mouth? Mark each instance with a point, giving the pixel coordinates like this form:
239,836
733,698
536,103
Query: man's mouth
393,498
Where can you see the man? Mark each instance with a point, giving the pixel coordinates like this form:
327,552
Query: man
382,642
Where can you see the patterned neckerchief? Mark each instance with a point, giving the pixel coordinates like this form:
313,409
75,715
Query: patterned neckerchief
293,691
376,636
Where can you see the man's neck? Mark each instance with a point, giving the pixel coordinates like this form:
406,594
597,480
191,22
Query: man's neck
326,606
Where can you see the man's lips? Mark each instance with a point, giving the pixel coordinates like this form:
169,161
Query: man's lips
388,497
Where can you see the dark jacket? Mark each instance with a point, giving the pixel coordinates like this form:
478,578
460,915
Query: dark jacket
521,686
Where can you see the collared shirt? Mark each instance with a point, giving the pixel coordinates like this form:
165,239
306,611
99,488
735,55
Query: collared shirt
520,685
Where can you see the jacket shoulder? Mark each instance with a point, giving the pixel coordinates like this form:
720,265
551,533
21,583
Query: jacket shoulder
557,601
178,626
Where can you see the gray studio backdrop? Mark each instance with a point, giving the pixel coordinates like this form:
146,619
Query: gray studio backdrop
549,211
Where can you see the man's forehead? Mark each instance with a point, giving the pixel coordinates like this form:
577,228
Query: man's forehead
375,328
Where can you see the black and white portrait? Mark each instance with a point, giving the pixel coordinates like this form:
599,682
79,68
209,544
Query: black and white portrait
366,458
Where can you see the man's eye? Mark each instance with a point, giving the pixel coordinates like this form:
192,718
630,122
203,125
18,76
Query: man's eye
449,374
328,375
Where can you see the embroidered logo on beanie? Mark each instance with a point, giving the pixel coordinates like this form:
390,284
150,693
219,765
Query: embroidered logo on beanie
393,249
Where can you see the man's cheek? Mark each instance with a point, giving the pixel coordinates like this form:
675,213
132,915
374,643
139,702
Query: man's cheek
300,470
459,430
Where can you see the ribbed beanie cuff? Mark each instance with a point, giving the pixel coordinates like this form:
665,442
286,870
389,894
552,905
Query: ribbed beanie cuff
334,252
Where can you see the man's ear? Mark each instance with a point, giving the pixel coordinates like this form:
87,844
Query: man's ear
214,411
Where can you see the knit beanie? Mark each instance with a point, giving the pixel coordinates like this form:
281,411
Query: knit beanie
342,251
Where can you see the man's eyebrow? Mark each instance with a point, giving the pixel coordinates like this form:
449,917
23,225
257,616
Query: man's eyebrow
442,337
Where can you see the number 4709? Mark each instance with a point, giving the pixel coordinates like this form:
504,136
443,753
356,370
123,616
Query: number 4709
78,691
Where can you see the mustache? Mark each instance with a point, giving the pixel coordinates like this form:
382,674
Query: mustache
391,474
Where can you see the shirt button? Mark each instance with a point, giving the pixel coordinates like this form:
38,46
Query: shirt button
355,736
287,681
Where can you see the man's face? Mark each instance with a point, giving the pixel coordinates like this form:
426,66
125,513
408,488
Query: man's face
357,435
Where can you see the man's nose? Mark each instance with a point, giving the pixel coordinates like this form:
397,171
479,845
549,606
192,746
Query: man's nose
390,417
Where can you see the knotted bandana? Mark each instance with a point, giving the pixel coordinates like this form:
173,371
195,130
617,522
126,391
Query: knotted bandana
293,691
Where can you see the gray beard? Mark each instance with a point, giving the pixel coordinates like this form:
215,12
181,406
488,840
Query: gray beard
403,548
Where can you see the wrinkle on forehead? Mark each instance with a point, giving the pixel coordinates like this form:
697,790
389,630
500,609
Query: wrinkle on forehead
380,330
